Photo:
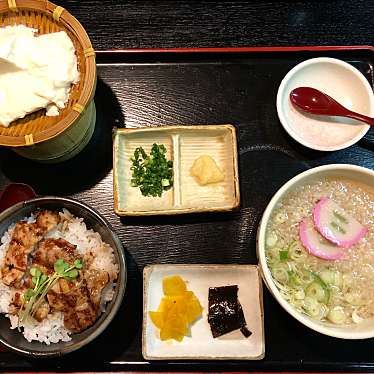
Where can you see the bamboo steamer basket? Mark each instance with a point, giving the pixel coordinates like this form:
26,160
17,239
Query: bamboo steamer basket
58,138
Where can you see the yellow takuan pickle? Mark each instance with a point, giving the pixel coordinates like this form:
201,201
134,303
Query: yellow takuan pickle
177,309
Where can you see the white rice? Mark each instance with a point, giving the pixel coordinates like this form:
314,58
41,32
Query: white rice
5,291
50,330
94,251
5,297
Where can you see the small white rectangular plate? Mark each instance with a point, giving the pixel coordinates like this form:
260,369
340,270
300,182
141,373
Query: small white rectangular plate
184,144
201,345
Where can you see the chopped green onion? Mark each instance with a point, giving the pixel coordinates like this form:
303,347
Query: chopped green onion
316,291
165,182
295,251
280,273
271,239
283,255
153,174
337,315
324,286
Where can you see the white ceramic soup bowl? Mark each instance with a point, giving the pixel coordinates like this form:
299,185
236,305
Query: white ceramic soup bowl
362,330
341,81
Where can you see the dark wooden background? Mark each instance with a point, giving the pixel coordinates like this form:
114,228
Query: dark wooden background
121,24
153,23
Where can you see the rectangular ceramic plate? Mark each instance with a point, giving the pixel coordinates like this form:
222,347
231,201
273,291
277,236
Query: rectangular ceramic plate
201,345
184,144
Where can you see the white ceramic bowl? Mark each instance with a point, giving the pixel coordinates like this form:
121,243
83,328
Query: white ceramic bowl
363,330
341,81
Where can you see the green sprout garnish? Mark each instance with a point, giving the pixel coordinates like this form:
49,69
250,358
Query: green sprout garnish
28,294
34,297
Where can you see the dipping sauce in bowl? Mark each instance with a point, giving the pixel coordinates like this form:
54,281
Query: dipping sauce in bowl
342,82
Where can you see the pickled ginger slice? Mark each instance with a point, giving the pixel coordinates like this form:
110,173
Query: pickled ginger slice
206,170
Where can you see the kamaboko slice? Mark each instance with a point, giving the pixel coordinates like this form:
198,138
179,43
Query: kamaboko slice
316,244
336,225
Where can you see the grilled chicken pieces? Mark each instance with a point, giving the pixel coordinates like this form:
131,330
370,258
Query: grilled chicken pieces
25,237
72,298
79,312
96,281
79,300
50,250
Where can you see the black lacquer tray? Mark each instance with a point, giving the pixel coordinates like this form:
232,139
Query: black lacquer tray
212,86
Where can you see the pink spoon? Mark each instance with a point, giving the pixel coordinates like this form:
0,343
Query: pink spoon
316,102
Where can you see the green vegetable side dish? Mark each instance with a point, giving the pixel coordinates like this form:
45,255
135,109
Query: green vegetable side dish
152,173
34,297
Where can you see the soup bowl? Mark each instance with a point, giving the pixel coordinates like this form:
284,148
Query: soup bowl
362,330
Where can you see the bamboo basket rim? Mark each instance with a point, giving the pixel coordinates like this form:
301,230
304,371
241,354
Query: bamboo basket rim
69,22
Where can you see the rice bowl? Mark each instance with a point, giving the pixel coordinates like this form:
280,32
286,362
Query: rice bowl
89,232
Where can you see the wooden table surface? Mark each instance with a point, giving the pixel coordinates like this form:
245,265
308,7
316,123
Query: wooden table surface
126,24
115,24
